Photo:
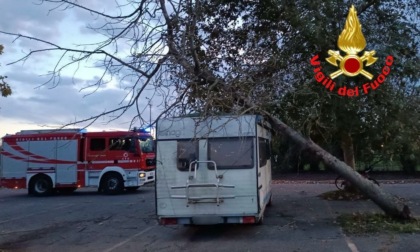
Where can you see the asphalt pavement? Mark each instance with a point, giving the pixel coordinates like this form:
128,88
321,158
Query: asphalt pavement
299,220
316,217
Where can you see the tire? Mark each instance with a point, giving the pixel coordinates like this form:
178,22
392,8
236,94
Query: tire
340,183
112,183
40,185
260,221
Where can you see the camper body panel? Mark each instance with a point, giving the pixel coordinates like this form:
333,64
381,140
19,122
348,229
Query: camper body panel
235,188
168,175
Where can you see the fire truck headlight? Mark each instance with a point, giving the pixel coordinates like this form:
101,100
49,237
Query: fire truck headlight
142,175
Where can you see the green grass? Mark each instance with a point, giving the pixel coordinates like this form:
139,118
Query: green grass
368,223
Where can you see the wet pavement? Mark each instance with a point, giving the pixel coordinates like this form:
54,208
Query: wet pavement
298,220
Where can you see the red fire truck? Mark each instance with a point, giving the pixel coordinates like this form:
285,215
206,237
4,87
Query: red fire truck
44,160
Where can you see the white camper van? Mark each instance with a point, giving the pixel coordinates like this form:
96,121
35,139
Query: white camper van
213,170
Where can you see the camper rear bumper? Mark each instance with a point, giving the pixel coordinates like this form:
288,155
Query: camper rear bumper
209,220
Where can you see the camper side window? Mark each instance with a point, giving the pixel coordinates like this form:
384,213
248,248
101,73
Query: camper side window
231,153
187,151
264,151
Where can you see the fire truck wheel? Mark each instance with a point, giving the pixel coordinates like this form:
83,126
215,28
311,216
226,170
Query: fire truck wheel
40,185
112,183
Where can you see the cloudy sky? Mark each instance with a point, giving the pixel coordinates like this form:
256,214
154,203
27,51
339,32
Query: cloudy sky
35,104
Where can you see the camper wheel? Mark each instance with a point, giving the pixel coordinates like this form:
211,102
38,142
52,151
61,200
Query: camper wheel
112,183
260,220
40,185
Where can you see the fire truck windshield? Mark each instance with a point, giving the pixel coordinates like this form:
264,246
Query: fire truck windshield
146,145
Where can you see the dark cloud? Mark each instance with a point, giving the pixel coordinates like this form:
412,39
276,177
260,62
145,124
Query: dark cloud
62,104
26,17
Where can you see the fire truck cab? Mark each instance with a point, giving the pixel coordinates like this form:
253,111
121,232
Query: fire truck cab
47,160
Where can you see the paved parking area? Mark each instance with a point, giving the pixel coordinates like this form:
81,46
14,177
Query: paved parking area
86,221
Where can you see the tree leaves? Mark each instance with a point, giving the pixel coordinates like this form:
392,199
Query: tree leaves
4,87
262,50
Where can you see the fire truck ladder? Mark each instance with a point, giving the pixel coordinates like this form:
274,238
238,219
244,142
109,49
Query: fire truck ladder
44,131
192,183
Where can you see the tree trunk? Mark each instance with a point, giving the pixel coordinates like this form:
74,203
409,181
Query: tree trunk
348,150
387,202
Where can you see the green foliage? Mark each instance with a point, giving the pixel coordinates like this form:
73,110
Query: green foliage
376,120
262,49
4,87
383,123
364,223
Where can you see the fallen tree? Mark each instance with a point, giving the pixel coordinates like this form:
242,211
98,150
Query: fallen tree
390,204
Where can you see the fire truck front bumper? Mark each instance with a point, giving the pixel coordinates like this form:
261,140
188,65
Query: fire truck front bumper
146,177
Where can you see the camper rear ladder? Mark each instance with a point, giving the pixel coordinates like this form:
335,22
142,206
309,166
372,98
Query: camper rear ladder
192,176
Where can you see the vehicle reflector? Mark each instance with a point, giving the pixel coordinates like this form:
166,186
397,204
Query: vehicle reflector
248,219
168,221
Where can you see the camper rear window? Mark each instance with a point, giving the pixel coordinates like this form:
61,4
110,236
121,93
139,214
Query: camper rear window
231,153
187,151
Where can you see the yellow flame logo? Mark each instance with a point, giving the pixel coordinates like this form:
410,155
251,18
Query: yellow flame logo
351,41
